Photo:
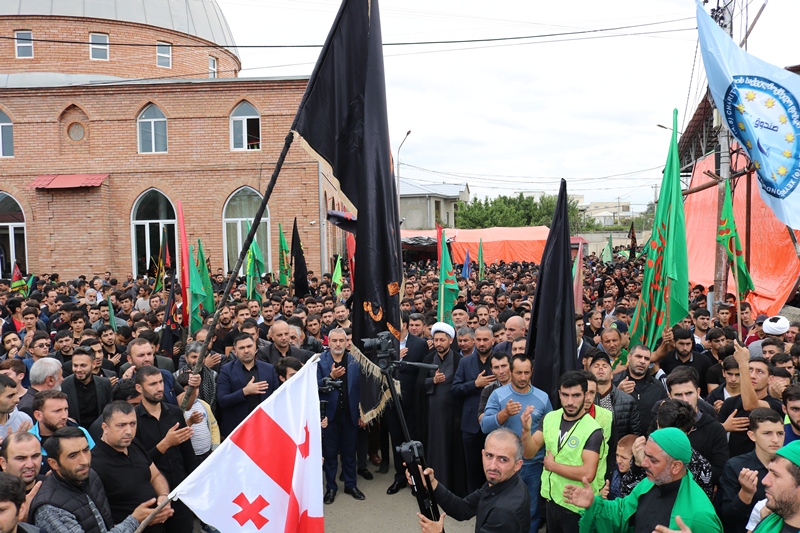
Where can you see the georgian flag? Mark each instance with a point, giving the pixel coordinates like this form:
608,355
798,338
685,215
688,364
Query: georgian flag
267,475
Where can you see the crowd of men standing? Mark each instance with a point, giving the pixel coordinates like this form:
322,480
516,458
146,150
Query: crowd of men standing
92,399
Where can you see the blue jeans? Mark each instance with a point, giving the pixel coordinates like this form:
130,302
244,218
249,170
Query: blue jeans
531,474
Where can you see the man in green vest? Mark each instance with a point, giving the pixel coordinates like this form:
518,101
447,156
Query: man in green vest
656,502
572,440
782,484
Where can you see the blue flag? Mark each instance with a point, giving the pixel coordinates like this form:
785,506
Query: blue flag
759,103
465,271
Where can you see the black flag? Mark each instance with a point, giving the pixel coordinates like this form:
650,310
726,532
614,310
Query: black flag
632,237
551,339
342,121
301,289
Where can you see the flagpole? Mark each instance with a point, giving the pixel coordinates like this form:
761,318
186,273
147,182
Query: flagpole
198,367
738,299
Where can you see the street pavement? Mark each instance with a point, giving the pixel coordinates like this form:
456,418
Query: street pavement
380,512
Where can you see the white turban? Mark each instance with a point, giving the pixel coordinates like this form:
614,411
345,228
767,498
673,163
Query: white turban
776,325
447,329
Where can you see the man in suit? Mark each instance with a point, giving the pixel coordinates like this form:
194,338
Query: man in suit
87,394
243,384
412,350
141,354
342,411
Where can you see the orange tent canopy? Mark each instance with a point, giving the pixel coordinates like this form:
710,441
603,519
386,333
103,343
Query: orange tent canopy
499,244
773,266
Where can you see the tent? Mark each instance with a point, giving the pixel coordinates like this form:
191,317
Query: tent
499,244
774,265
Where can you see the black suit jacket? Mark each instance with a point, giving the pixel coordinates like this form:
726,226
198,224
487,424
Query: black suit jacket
102,388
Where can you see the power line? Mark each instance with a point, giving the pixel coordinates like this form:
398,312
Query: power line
493,177
407,43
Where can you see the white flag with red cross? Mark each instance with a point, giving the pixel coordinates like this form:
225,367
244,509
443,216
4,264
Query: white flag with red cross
267,475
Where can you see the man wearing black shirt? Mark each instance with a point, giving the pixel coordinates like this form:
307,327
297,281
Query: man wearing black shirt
113,351
637,381
223,328
684,355
281,345
163,432
127,473
753,394
87,394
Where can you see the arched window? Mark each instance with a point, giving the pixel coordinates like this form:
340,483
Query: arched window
245,128
13,247
152,130
152,214
239,210
6,136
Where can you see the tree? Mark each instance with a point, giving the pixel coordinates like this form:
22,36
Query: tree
506,211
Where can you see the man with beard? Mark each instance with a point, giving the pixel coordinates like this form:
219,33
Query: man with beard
73,497
572,441
51,412
460,316
441,411
782,488
622,404
473,374
224,327
119,457
11,419
342,412
685,355
87,394
504,408
113,351
501,370
667,498
162,431
741,484
637,381
267,319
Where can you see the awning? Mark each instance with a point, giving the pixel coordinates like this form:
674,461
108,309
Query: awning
67,181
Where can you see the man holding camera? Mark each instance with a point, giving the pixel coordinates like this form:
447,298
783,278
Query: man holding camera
342,412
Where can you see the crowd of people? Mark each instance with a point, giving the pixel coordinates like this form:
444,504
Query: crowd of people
701,432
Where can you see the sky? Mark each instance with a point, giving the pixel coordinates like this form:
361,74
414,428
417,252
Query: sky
519,115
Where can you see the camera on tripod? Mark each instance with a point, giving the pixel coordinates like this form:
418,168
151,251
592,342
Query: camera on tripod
329,384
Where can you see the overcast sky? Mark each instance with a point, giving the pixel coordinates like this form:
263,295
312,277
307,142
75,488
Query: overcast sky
519,115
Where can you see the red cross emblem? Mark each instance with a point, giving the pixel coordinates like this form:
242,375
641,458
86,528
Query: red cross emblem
251,511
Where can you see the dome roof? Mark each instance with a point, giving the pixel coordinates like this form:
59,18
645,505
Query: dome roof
201,18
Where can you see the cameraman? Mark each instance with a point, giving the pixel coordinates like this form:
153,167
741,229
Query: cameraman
342,412
501,504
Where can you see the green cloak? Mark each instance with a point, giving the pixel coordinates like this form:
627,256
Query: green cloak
691,504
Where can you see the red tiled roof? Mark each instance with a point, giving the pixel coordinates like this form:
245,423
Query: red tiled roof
67,181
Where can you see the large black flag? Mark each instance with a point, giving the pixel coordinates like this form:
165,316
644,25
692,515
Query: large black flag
632,237
301,289
342,121
551,338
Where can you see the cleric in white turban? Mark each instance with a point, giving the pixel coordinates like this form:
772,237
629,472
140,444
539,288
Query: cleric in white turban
447,329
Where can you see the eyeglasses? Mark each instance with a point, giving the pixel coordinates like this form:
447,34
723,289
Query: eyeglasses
41,345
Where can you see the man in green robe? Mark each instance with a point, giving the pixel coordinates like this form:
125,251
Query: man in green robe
668,491
782,484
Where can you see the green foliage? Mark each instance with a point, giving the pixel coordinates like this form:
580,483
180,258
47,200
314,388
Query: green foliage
506,211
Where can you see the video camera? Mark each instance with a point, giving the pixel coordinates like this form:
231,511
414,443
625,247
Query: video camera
411,450
329,384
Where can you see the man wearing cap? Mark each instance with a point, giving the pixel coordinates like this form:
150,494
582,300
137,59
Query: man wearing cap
622,404
782,487
668,492
774,326
757,332
460,315
441,410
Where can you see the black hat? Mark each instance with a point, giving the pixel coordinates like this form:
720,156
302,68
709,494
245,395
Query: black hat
600,355
461,306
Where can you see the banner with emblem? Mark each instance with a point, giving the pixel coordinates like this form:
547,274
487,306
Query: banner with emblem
759,105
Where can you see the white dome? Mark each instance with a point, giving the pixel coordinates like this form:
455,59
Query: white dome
201,18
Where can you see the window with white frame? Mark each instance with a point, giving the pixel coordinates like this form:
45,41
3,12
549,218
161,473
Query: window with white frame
6,136
212,67
152,130
24,42
236,216
245,128
164,55
98,46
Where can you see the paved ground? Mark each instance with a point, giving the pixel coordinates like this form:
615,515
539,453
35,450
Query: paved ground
380,512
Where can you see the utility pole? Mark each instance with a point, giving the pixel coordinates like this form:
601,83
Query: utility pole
724,136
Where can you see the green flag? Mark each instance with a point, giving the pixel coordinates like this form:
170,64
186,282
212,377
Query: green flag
336,279
255,267
197,291
112,319
284,267
480,260
205,277
608,251
666,272
728,237
448,287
